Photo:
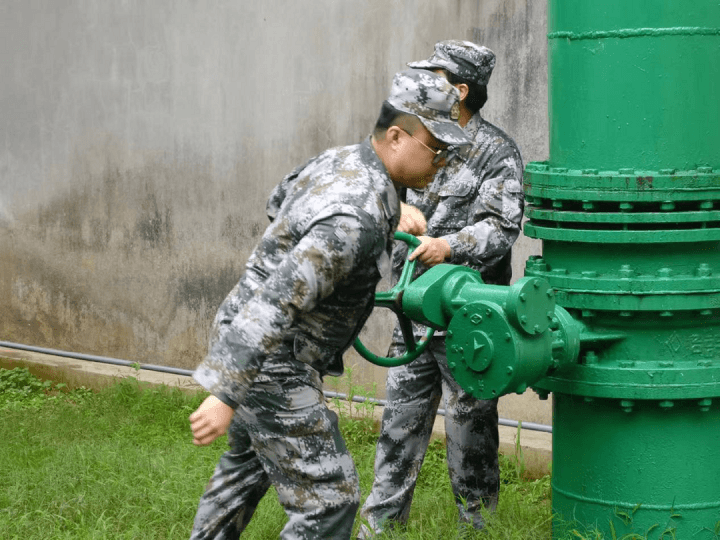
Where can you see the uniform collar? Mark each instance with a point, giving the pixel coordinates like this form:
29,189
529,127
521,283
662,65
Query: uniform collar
473,125
389,195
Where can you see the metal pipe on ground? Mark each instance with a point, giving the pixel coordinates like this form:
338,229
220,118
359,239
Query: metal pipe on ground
187,373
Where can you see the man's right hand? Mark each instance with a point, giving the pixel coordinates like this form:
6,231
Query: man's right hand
412,220
210,420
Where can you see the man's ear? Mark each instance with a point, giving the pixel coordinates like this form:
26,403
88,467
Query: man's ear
464,90
392,136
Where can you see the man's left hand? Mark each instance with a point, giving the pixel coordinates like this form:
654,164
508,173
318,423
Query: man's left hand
431,251
412,220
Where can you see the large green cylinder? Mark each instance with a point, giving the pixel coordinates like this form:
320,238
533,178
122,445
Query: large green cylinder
628,208
653,472
634,83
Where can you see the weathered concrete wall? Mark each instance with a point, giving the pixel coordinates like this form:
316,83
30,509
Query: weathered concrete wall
140,140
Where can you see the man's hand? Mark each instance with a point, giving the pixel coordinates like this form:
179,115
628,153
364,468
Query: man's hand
210,420
412,220
431,251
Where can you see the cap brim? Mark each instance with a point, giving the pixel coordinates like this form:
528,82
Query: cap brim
449,133
423,64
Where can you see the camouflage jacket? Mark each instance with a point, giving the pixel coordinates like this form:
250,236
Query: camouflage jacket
309,285
475,203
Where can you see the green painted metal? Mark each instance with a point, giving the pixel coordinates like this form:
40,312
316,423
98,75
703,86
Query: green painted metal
628,208
634,84
647,469
392,300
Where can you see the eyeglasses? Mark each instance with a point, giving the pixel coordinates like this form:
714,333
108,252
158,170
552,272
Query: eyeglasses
440,154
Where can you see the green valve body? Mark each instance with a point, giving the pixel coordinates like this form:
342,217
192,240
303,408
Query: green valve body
628,208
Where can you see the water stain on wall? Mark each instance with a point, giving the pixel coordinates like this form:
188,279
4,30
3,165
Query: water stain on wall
126,261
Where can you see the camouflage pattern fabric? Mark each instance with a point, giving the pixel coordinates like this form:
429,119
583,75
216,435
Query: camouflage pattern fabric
310,282
476,204
307,290
465,59
413,397
283,434
433,100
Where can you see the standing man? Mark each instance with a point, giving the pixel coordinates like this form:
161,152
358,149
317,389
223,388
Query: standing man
307,290
473,210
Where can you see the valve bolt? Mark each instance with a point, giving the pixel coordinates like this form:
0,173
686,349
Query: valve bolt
627,405
666,404
704,363
704,404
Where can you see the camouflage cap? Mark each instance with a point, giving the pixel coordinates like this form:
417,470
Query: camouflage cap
463,58
433,100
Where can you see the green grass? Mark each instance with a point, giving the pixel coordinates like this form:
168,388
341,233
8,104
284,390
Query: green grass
120,464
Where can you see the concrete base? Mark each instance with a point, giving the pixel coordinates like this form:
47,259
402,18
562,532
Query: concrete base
535,447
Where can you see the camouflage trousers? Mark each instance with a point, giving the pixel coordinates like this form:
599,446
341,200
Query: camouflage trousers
283,435
471,426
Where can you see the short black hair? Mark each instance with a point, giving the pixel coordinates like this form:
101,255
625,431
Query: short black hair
477,94
390,116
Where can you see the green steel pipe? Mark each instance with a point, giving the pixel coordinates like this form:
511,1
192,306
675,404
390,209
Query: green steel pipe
628,208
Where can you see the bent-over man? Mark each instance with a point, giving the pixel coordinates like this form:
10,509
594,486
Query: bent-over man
307,289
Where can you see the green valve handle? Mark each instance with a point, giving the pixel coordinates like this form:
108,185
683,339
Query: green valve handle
392,299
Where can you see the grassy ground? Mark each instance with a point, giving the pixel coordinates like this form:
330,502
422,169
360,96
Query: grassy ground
120,464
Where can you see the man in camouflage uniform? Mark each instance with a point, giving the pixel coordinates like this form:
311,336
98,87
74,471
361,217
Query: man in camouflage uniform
473,210
308,288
